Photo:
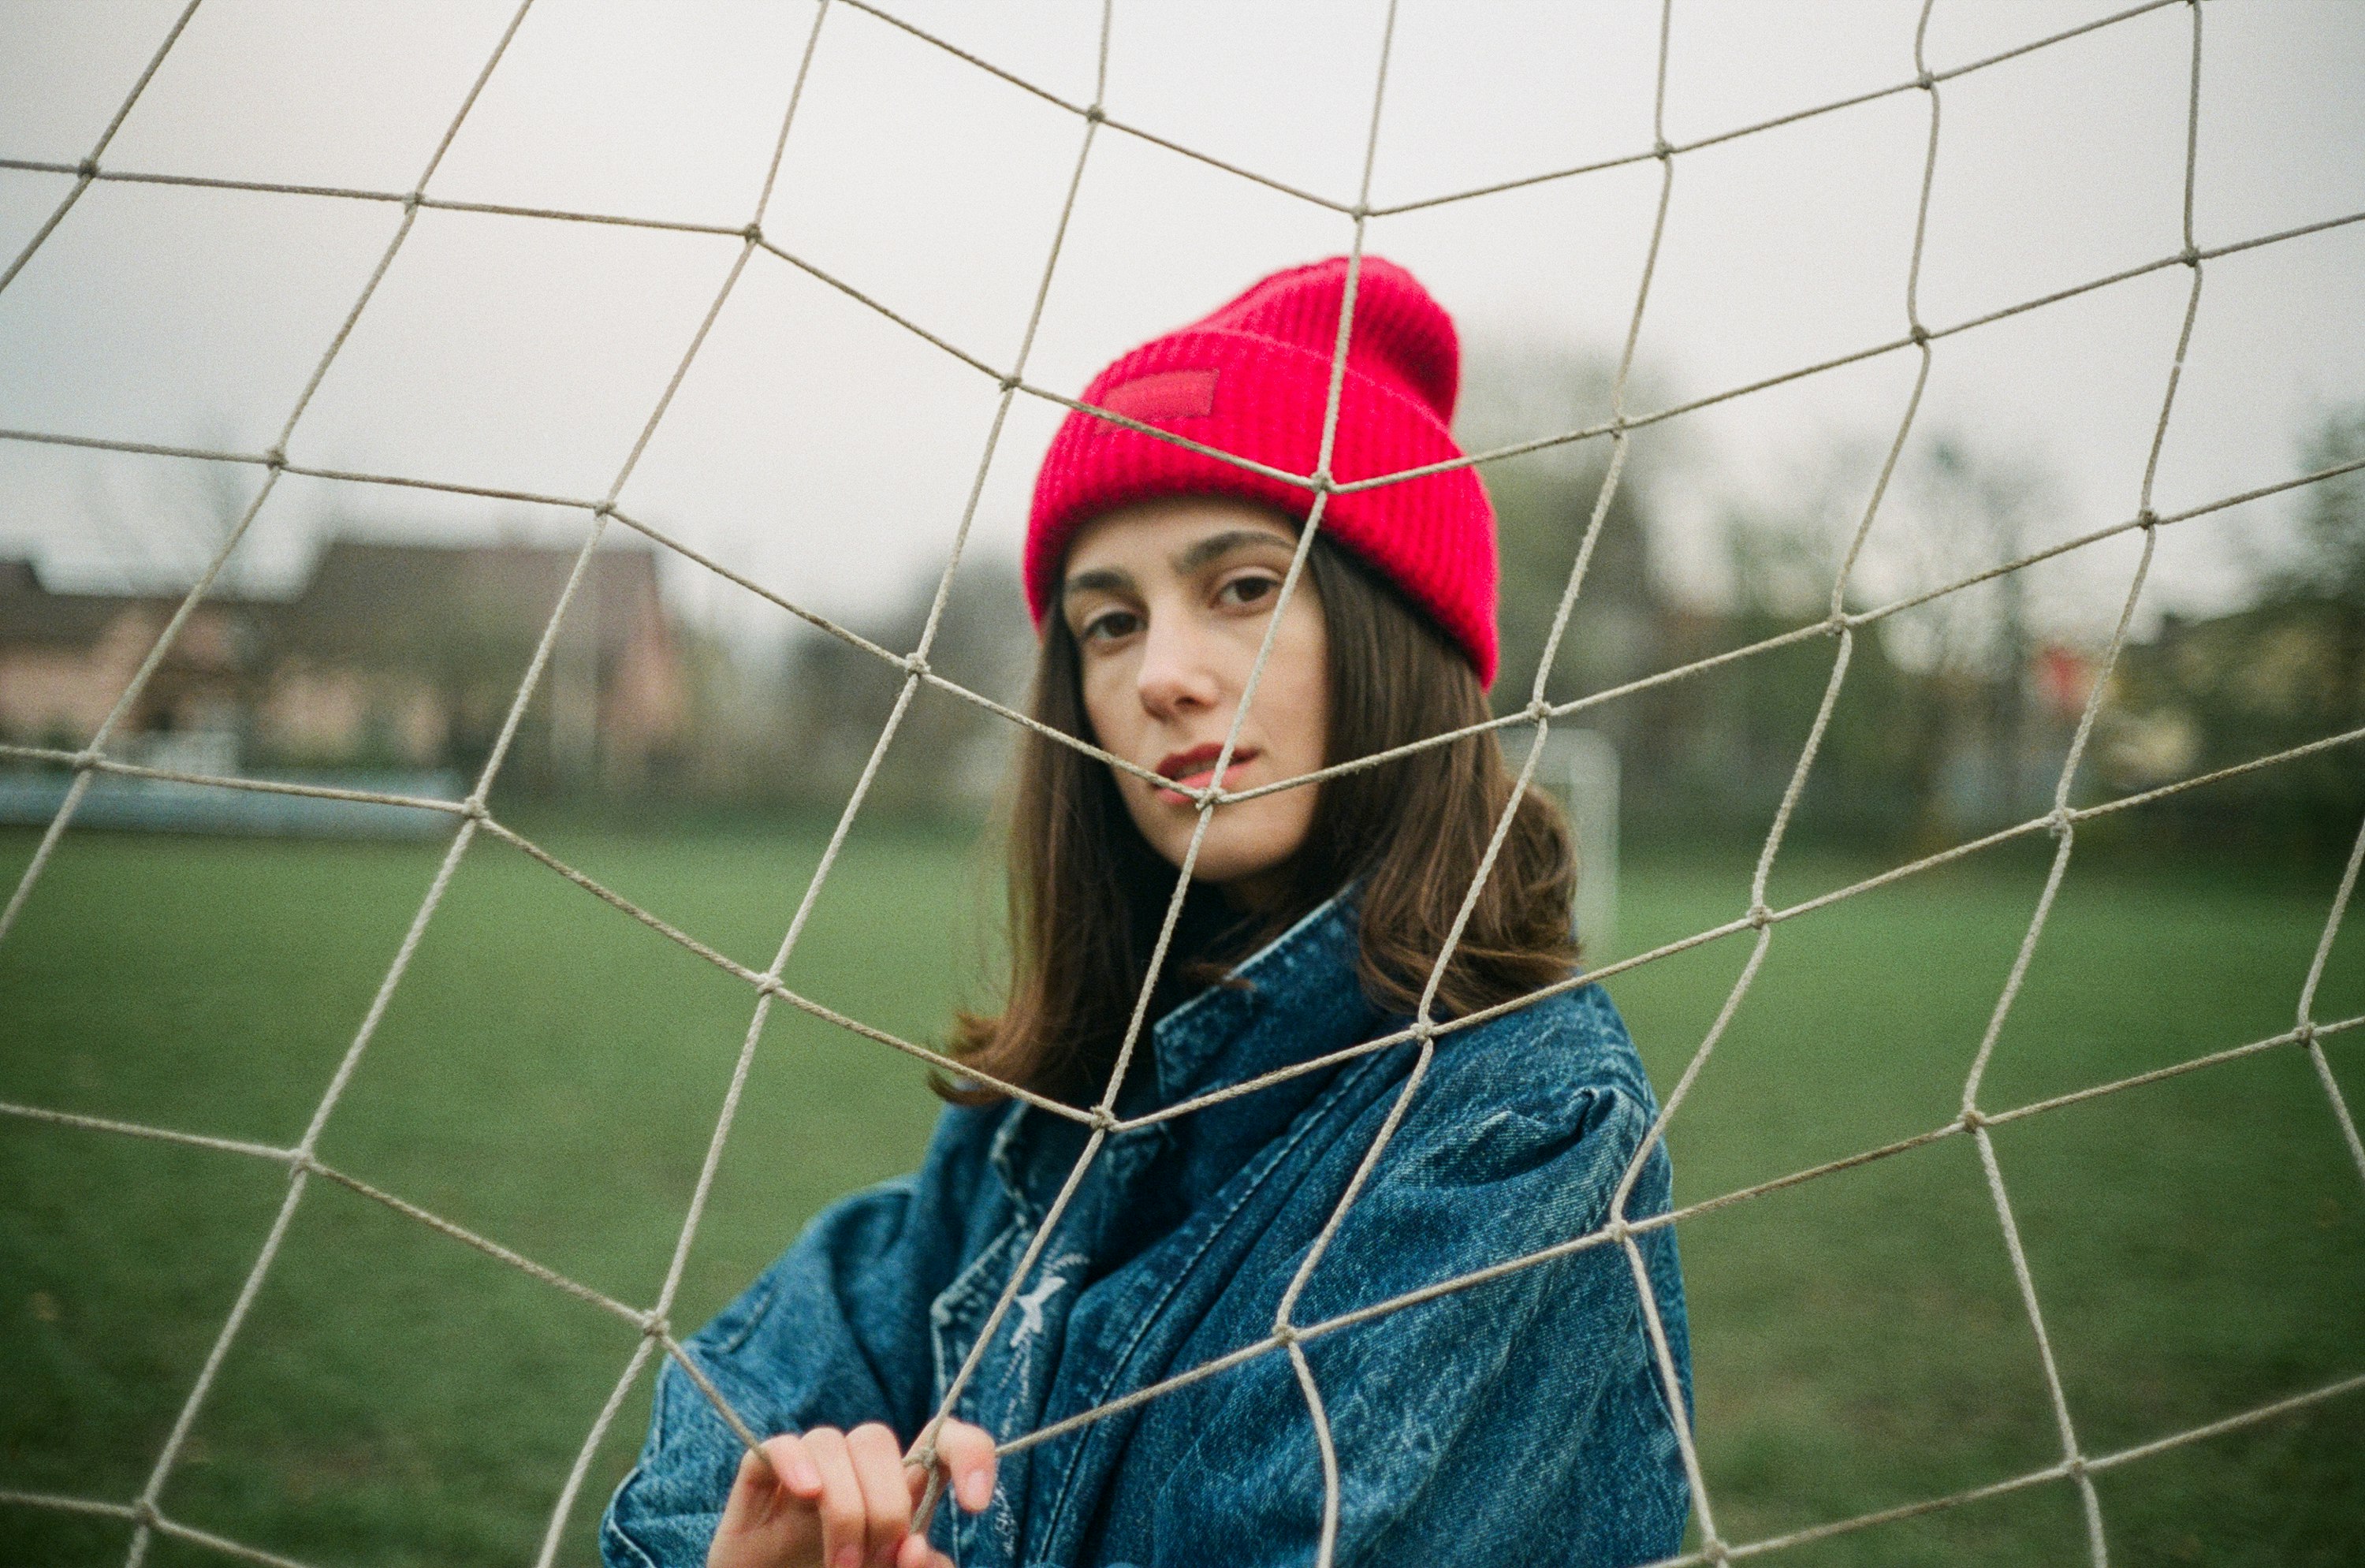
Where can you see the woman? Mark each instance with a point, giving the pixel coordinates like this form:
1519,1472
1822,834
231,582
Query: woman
1520,1419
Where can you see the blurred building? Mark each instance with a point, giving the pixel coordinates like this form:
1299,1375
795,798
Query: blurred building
950,756
388,654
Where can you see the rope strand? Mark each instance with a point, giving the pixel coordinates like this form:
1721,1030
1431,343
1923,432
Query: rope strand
1758,918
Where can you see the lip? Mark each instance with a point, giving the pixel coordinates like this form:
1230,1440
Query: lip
1194,768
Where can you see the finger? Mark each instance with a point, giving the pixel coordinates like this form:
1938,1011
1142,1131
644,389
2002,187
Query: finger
920,1481
842,1515
792,1468
966,1454
917,1553
878,1465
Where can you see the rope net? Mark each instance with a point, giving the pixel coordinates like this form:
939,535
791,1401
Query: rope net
1756,923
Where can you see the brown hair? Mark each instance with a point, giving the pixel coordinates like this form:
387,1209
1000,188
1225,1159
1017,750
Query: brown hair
1087,894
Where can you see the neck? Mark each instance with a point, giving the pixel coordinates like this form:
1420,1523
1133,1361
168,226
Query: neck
1260,893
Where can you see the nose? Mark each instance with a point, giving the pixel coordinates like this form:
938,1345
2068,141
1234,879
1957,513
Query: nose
1178,675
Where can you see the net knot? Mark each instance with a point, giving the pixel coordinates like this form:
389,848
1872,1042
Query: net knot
1926,82
915,663
753,233
87,168
653,1326
85,759
1537,710
1104,1120
2056,822
2189,255
1095,115
1760,917
923,1457
2147,519
2305,1034
1973,1118
1423,1029
410,203
1920,334
1010,382
474,809
144,1514
1321,481
276,458
1287,1334
1663,149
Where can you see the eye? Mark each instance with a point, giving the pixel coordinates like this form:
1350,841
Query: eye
1109,626
1248,590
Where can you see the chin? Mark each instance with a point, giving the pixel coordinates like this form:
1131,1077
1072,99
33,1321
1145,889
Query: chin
1227,864
1235,850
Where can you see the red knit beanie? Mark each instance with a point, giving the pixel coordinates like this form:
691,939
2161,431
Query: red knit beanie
1251,379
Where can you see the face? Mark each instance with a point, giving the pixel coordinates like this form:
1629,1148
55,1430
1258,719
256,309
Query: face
1169,602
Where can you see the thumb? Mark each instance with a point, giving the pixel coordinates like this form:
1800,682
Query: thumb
751,1494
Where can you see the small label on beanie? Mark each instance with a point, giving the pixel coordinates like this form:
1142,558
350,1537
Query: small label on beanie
1169,394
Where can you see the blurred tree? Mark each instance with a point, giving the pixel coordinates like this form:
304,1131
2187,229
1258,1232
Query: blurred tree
1966,510
1784,555
2285,670
1931,737
2329,568
1544,502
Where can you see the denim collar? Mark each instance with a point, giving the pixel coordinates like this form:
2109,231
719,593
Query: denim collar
1295,998
1279,1004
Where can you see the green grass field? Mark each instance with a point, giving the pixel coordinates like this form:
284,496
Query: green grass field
549,1072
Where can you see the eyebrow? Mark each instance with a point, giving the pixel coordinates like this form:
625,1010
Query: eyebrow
1216,546
1109,579
1105,579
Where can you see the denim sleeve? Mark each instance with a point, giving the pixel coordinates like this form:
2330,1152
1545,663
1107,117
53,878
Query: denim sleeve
832,1334
1522,1420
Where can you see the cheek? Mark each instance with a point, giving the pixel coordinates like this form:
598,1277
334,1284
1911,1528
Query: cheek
1104,689
1305,711
1273,827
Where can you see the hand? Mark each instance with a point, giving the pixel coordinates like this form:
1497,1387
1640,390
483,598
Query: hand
833,1499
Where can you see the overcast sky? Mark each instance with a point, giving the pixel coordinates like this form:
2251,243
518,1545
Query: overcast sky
827,452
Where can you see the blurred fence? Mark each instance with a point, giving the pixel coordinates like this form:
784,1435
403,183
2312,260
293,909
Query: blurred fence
172,805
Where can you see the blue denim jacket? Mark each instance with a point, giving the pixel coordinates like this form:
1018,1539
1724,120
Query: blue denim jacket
1520,1420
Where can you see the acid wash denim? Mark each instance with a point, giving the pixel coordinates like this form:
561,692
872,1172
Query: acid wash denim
1518,1421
